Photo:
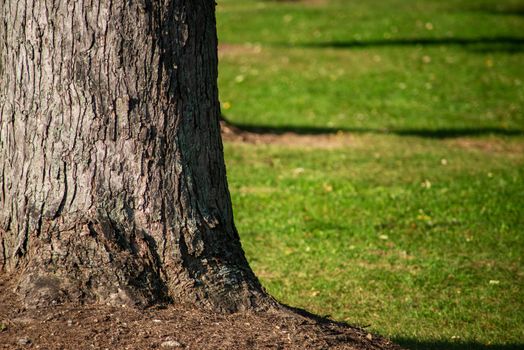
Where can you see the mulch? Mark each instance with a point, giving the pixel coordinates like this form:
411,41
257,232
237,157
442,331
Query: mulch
70,326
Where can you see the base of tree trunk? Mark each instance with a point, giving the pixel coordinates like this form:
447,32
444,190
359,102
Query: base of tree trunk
165,326
91,267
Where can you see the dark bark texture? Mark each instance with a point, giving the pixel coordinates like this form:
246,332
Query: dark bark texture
112,180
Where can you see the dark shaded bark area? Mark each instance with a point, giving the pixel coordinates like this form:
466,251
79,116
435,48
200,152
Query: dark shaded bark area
112,180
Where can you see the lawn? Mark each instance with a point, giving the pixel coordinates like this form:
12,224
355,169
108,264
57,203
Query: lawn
413,228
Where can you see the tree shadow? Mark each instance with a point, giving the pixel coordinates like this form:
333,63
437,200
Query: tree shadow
498,9
510,49
441,133
485,44
507,12
413,344
406,343
344,332
444,133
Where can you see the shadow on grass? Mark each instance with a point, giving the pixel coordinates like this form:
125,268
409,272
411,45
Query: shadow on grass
356,335
412,344
406,343
428,133
497,9
482,44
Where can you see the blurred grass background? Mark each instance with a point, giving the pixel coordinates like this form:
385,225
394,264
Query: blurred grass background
415,227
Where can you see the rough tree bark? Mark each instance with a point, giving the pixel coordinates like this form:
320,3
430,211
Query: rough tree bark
112,180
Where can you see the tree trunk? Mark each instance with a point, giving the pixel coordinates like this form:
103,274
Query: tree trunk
113,184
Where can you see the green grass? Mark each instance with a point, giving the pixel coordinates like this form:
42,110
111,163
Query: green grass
417,227
465,72
384,234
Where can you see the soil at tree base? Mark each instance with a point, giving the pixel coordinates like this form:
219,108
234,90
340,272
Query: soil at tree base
73,326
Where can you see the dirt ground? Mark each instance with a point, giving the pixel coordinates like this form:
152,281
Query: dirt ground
170,327
231,133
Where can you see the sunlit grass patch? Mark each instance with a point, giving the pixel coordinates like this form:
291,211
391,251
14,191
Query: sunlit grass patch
388,235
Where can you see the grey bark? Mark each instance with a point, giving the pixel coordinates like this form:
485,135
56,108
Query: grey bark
112,180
